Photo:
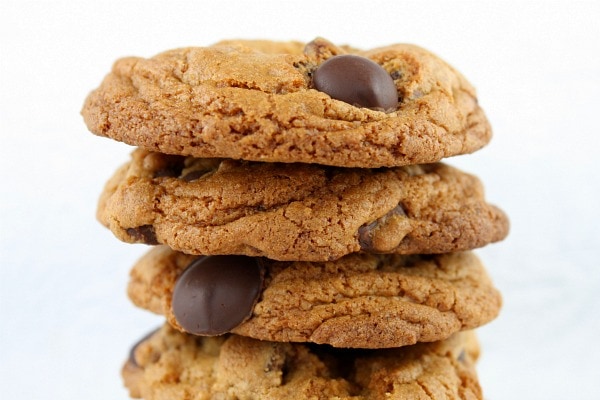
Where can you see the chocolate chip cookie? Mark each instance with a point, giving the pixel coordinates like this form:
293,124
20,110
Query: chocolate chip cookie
360,301
282,102
296,211
172,365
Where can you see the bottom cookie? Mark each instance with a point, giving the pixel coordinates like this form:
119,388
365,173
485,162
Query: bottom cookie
169,364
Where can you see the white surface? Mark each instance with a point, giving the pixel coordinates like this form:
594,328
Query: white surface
66,324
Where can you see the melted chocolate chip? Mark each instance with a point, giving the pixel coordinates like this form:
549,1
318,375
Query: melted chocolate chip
357,81
365,232
215,294
143,234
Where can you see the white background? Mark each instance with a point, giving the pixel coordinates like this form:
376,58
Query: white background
66,324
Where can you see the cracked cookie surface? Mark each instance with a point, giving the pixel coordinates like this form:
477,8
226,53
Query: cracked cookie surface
296,211
254,100
359,301
172,365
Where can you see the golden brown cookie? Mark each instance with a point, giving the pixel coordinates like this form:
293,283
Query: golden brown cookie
296,211
262,101
359,301
172,365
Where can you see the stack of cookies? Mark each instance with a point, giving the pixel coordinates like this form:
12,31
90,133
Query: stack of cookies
307,241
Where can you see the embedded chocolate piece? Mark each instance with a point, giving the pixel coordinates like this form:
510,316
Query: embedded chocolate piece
358,81
216,294
143,234
385,233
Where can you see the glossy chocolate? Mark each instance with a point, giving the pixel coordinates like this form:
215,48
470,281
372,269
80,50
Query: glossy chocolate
357,81
215,294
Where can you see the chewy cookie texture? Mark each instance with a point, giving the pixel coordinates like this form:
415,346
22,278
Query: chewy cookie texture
236,100
307,239
171,365
359,301
296,211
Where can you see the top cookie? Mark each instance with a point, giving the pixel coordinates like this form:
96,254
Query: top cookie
258,101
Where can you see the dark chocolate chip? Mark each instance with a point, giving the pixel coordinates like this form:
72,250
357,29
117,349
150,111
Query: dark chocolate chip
358,81
132,359
215,294
365,235
143,234
365,232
